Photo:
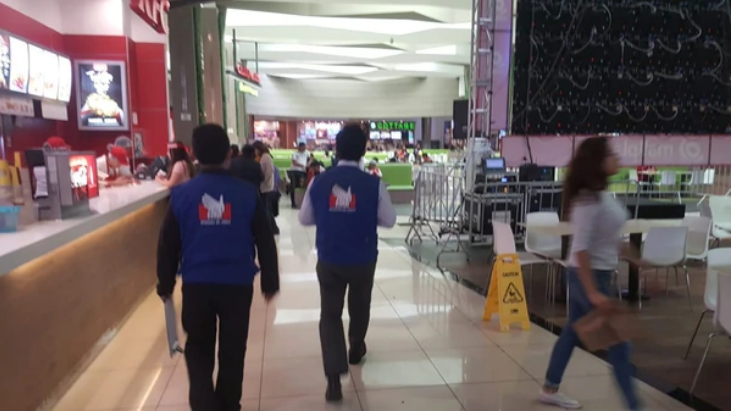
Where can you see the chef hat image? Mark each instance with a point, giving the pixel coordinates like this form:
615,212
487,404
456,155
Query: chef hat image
120,154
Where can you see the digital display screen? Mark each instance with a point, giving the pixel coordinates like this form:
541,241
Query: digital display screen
37,58
65,77
18,65
494,164
51,75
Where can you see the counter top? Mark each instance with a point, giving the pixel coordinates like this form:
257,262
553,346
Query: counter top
35,240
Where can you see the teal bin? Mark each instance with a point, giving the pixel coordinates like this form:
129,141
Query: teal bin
9,218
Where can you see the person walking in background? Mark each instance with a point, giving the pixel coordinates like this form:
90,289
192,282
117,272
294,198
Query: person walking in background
246,168
297,173
180,167
235,151
214,228
596,218
270,195
346,205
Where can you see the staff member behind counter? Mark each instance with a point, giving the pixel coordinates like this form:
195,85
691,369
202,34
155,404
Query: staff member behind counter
346,205
212,228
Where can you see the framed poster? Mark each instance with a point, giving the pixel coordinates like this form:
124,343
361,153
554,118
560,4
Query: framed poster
4,61
101,95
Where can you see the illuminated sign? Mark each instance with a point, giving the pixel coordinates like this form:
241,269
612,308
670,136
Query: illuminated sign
389,126
154,12
244,74
247,89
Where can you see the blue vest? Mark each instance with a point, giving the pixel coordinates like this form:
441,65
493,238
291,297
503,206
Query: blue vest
214,212
345,201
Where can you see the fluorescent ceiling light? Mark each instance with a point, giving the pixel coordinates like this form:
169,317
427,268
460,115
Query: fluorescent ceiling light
450,50
249,18
341,69
356,52
417,67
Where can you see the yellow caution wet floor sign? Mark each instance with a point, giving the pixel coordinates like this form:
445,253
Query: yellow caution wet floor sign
506,293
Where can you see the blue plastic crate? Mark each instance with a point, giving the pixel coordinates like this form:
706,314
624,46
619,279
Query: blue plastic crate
9,218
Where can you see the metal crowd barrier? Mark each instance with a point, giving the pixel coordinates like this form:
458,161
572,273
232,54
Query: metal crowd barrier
444,212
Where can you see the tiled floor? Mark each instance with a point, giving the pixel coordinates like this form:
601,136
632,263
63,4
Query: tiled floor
428,350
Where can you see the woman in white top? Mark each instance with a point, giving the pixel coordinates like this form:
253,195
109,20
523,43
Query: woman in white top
596,218
181,168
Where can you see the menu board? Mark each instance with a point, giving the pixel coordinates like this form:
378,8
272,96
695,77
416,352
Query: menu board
102,95
51,75
64,79
18,65
37,58
4,62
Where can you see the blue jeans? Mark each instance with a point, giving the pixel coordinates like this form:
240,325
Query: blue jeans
618,355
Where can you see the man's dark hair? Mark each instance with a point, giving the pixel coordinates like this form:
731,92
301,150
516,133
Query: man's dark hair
248,152
235,150
351,143
301,144
210,144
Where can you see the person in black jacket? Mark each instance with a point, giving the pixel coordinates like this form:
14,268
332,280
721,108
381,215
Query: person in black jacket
215,226
246,167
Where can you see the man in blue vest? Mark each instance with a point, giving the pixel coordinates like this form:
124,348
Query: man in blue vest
346,205
215,226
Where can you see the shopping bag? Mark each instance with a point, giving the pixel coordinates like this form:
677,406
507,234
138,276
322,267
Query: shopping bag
602,329
171,327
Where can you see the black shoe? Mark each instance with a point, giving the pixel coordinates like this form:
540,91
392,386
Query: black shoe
333,391
356,353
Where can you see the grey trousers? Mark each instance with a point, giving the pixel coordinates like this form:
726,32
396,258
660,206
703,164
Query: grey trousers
334,280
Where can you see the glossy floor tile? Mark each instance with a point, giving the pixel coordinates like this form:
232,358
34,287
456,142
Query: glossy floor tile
428,350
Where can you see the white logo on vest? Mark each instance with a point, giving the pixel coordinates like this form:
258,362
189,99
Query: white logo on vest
214,212
341,200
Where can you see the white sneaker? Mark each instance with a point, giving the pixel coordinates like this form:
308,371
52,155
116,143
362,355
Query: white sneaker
558,399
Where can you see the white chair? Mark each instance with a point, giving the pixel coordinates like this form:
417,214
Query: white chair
505,243
545,246
721,320
716,258
698,235
665,248
720,211
668,179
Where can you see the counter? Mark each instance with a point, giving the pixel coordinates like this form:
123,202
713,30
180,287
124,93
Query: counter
65,285
42,237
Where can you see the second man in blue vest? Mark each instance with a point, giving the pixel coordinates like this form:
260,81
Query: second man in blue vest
346,205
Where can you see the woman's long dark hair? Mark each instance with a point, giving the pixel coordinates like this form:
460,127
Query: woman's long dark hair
180,154
586,176
261,147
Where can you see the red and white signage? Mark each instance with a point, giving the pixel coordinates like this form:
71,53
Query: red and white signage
154,12
248,75
16,106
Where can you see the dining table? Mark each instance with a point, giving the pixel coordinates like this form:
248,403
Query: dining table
635,228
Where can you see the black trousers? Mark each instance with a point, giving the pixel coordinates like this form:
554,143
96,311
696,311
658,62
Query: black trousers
270,200
203,305
334,280
297,180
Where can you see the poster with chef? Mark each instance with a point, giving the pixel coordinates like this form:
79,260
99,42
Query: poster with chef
101,95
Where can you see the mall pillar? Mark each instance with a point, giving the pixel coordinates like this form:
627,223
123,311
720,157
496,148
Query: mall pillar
197,95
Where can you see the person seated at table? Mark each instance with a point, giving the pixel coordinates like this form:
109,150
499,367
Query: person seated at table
373,169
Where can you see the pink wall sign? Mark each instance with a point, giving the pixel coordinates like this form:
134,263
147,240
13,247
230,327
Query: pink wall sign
720,150
676,150
629,149
546,150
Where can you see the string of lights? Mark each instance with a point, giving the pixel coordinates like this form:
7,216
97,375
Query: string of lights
622,66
